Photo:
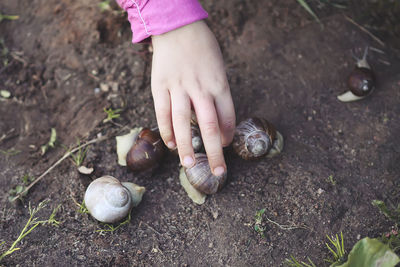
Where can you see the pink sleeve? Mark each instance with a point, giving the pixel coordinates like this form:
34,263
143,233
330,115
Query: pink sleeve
154,17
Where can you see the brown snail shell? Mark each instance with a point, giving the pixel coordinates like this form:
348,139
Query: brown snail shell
146,152
255,138
361,81
201,177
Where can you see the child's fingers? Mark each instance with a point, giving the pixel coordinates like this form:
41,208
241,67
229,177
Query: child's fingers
181,114
209,127
226,117
162,106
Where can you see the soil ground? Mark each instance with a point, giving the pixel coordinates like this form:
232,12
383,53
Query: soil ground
282,65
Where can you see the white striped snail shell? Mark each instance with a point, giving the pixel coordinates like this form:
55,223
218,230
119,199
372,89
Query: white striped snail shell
109,201
201,177
255,138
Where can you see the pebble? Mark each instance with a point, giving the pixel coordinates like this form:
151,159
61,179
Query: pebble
320,191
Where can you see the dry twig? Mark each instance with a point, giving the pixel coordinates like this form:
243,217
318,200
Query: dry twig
365,30
66,155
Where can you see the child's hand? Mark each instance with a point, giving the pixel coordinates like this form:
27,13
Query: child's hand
188,71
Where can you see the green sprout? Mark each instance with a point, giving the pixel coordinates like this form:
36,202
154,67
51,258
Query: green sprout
331,180
304,4
10,152
338,253
111,114
26,179
4,52
8,17
30,225
53,136
391,214
79,156
82,208
104,5
258,221
112,228
293,262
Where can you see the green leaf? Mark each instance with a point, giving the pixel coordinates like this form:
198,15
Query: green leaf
371,253
5,94
19,189
9,17
304,4
53,137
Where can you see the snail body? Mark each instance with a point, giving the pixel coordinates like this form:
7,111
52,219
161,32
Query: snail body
147,151
109,201
201,177
361,81
255,138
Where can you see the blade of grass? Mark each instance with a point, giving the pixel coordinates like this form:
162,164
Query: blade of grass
304,4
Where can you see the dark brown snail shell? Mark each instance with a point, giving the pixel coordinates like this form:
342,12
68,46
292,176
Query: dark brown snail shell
147,151
361,81
201,177
253,138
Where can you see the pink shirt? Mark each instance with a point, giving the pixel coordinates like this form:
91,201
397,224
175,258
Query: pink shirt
154,17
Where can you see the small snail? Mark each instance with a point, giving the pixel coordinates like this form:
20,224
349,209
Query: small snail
146,152
256,137
109,201
197,142
201,177
361,81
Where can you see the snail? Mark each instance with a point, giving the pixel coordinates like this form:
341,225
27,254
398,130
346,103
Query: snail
109,201
256,137
146,152
201,177
361,81
197,141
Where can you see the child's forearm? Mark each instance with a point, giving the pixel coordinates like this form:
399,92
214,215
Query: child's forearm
155,17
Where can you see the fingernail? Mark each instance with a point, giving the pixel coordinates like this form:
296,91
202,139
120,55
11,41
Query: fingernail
171,145
188,161
219,171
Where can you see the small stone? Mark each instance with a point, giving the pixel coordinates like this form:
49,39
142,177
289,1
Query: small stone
104,87
114,86
85,170
81,257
